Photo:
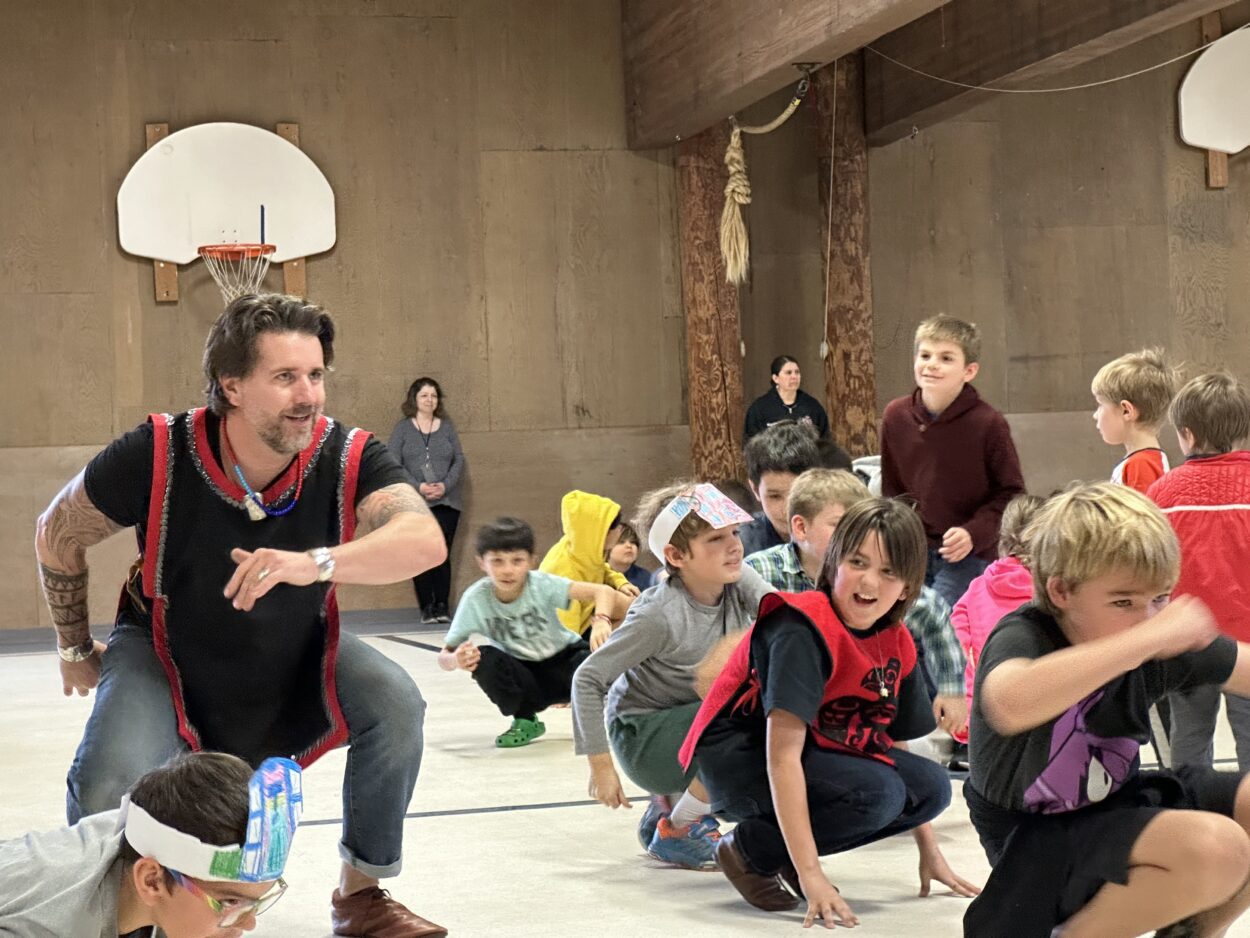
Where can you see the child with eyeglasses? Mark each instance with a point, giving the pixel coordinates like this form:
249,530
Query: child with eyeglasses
179,855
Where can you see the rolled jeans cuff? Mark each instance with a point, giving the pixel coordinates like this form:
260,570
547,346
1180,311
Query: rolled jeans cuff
369,869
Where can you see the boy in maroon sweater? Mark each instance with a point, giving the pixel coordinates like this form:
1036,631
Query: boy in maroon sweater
953,453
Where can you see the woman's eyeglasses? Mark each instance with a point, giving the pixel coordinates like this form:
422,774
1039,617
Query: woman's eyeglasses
231,911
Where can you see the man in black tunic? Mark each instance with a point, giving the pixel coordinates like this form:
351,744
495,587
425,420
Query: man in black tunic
227,634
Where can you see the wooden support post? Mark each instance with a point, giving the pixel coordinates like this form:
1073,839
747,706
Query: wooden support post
850,375
294,271
713,325
1217,162
164,273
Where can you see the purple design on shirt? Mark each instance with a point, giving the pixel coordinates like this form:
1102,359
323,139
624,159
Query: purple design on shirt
1083,768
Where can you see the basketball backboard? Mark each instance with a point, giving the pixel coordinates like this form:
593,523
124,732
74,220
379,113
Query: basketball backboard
224,183
1215,96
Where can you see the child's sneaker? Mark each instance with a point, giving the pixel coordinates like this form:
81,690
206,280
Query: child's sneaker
657,809
522,732
692,847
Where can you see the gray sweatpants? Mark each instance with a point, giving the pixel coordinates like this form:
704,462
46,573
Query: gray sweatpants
1193,726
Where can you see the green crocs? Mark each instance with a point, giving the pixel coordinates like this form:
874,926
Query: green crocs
522,732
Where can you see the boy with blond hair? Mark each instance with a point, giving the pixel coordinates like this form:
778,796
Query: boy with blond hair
818,500
953,453
1133,393
1083,843
1205,500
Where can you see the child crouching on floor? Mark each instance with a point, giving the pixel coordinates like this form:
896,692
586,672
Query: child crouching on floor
1083,843
641,683
797,738
529,664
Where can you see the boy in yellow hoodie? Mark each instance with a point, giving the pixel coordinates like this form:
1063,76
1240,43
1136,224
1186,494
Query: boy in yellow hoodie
592,526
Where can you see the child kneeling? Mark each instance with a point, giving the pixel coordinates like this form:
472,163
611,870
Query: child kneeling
530,662
796,739
1083,843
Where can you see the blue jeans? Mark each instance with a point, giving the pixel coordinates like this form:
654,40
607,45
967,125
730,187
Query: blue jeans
950,580
132,730
852,801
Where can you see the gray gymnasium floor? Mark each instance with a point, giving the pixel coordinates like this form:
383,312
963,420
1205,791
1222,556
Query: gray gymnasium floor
497,842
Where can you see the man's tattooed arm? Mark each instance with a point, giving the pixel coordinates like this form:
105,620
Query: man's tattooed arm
381,506
63,533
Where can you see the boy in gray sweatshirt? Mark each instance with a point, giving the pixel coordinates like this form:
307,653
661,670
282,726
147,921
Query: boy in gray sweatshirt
635,697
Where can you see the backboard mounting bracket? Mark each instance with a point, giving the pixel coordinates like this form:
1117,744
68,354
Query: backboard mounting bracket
164,273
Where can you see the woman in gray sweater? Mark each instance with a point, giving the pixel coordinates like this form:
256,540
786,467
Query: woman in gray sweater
426,445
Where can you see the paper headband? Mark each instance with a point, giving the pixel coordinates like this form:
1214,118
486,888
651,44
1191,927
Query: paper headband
706,501
275,803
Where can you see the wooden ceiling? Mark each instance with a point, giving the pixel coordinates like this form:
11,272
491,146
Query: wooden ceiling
691,63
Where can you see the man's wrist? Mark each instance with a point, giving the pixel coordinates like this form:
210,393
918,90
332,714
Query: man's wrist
324,561
73,654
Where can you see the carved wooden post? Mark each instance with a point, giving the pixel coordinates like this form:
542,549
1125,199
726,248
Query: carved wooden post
713,327
850,374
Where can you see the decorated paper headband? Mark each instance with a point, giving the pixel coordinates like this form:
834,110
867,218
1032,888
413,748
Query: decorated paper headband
275,803
706,501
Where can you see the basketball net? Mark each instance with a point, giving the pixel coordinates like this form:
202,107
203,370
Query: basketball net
237,268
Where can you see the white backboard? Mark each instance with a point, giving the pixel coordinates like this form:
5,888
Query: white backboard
1215,96
207,184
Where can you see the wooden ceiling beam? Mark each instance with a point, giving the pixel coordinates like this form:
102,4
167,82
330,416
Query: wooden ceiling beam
691,63
1008,44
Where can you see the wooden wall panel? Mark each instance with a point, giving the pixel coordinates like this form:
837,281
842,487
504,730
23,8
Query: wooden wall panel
551,72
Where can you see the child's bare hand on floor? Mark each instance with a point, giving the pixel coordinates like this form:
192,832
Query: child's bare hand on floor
468,656
933,866
826,905
605,784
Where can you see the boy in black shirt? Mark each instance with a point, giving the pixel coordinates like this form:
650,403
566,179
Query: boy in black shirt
1083,843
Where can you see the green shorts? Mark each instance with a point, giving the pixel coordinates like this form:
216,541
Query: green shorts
646,745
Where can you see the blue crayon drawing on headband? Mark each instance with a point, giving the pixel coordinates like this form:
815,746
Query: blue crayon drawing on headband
1084,768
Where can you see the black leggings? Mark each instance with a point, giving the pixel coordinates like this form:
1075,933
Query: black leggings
524,688
433,587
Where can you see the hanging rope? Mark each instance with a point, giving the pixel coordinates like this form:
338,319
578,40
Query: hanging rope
735,246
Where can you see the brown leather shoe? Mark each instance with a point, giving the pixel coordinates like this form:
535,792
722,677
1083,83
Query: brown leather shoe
763,892
372,913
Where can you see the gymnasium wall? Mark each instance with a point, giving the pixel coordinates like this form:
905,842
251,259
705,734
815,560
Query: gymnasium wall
1072,228
493,231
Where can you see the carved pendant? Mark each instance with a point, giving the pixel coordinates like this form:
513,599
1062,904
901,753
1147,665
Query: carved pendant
255,510
885,691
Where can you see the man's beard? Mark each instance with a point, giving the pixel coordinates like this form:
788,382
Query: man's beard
285,439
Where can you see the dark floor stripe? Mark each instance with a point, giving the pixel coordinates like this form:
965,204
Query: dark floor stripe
498,809
409,641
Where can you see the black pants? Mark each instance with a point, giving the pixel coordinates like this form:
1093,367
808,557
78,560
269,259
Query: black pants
523,688
433,587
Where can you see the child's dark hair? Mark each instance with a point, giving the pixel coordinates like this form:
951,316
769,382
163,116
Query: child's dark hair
504,534
833,456
783,447
616,522
738,493
629,535
902,539
203,794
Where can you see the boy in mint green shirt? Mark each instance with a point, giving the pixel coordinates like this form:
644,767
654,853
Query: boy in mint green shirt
506,633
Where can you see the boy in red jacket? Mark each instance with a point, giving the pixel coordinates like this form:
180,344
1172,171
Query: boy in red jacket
1206,500
953,453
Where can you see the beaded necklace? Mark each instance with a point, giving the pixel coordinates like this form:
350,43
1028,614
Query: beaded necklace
257,510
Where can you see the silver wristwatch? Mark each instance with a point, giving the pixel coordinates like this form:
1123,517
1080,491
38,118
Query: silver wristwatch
76,653
325,563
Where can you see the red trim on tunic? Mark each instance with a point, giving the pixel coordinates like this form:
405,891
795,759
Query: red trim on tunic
229,483
339,731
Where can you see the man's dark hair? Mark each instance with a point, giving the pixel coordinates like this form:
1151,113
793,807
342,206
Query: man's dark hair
233,342
203,794
783,447
504,534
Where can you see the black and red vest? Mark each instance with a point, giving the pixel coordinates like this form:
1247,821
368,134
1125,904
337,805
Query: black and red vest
854,716
259,683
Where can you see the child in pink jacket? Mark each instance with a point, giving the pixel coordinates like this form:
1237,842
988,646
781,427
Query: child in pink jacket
1004,587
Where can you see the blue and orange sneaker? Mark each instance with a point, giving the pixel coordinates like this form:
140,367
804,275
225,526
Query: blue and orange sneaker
658,808
692,847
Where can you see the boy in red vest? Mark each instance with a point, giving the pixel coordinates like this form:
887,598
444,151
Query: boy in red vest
1133,393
